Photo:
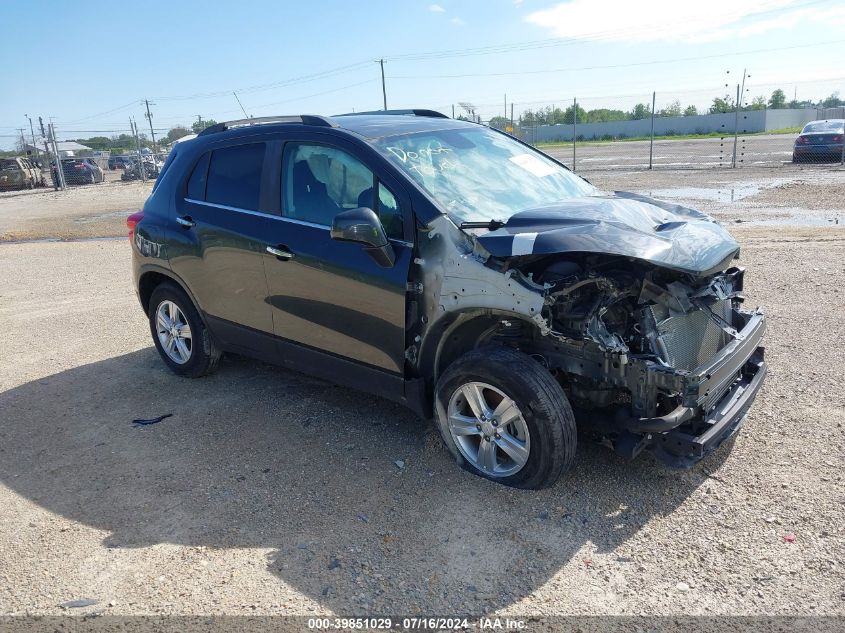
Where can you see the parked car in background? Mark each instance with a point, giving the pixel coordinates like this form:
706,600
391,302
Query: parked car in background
119,162
19,173
454,269
82,171
820,141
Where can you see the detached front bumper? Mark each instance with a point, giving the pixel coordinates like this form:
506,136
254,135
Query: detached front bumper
716,398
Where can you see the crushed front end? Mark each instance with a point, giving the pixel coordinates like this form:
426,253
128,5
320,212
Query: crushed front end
651,358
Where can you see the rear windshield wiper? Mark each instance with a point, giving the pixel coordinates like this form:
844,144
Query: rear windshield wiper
490,225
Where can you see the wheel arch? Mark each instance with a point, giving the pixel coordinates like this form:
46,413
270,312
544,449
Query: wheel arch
153,276
457,333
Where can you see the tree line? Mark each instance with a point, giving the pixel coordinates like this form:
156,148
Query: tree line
125,143
551,115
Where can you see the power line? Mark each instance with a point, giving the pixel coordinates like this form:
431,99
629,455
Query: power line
269,86
633,64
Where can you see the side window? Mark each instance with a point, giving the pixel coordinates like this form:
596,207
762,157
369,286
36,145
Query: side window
234,176
196,183
390,214
320,182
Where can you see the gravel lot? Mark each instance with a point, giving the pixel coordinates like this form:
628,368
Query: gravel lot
271,492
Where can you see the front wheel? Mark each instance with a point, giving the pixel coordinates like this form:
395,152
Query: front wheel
504,417
179,334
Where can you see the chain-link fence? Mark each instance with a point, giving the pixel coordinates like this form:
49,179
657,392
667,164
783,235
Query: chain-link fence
87,155
586,135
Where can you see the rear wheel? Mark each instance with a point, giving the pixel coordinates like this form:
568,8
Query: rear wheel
180,336
503,416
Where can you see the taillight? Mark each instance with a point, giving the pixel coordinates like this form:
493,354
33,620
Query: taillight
837,138
802,140
132,222
80,166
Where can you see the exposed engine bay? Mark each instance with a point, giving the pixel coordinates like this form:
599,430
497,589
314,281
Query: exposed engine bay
649,356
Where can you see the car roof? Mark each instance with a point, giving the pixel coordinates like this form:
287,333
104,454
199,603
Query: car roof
369,125
381,125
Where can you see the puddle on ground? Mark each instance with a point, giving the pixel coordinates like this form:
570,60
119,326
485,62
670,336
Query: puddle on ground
791,220
733,194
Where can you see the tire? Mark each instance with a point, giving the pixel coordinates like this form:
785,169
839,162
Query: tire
542,407
203,356
92,180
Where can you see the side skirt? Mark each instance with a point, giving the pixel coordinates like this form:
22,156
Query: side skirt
245,341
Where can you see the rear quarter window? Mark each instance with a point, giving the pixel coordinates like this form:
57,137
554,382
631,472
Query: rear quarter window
196,183
234,176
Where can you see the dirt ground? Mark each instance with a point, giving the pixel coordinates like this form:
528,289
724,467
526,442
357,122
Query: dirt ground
271,492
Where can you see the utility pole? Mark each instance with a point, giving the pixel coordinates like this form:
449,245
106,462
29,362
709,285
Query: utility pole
453,110
651,145
513,131
23,140
60,174
149,116
383,89
138,145
506,106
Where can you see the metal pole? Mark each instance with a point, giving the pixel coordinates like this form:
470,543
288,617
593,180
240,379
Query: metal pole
513,130
32,131
240,104
842,159
138,145
23,140
651,144
736,126
506,106
149,116
453,110
383,89
60,174
44,136
574,123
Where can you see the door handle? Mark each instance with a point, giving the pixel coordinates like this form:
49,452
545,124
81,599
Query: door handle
280,251
186,221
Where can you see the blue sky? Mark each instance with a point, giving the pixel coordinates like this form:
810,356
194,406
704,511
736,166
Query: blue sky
318,56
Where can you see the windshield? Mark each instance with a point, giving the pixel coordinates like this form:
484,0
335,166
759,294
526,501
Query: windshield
477,175
7,165
823,126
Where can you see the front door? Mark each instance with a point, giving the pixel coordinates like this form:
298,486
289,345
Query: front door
329,295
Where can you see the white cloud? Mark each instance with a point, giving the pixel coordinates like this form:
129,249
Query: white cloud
457,21
436,8
670,20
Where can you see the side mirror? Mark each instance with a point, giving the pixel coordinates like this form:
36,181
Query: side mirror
363,226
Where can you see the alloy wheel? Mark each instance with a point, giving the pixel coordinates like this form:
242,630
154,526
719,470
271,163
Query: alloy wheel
174,332
489,429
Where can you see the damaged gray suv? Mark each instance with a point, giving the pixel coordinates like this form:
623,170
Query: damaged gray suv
452,268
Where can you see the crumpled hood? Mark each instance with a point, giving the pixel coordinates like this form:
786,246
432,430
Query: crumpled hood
625,224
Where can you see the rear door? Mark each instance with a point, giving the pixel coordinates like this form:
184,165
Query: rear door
332,296
218,243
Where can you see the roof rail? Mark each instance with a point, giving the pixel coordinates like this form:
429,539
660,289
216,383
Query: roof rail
305,119
415,111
